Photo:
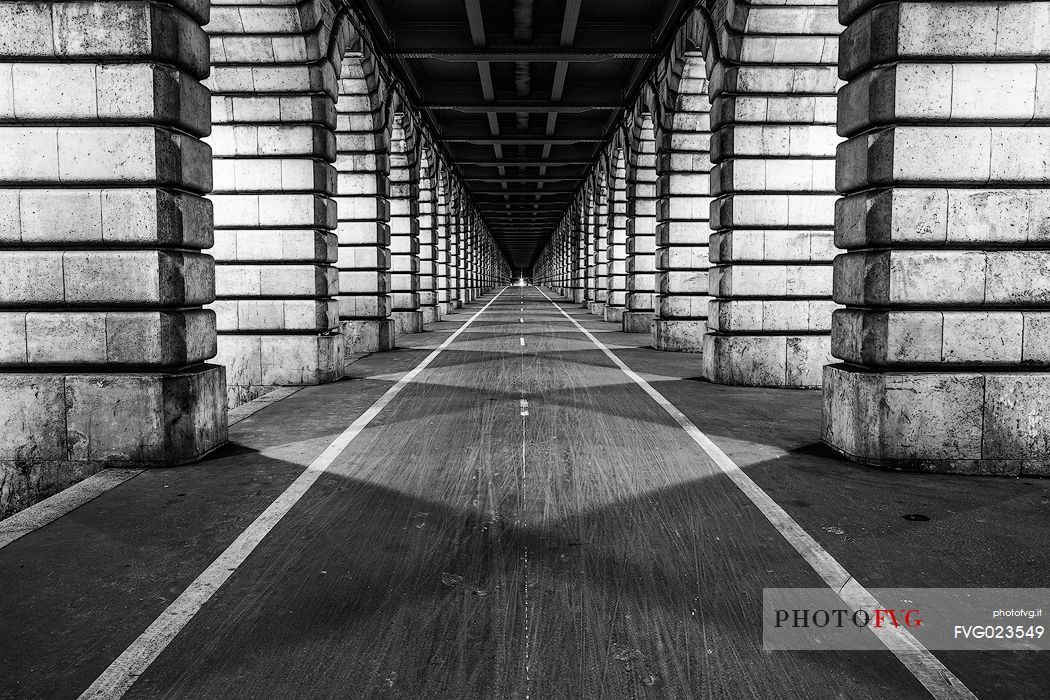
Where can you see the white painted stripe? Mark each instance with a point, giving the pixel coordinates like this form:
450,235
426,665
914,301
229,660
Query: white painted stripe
522,339
927,668
67,500
524,407
133,662
246,410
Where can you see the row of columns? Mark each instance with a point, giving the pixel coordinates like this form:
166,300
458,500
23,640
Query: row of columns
190,217
902,270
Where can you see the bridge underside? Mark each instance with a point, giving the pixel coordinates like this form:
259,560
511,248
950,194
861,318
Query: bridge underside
522,518
814,234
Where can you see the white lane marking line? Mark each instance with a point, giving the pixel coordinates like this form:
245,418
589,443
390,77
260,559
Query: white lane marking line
524,407
133,662
236,415
522,339
521,320
67,500
927,668
62,503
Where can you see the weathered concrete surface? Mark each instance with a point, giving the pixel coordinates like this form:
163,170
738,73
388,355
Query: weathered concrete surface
367,547
641,227
103,169
683,166
943,225
773,148
274,144
60,428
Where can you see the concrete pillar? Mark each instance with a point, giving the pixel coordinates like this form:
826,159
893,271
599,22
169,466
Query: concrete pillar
455,289
428,237
103,337
443,238
588,233
578,235
773,147
600,281
273,145
945,338
404,227
466,257
616,251
363,185
682,231
641,229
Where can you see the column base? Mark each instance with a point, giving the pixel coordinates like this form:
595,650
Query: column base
637,321
578,295
61,428
614,314
596,308
367,335
795,361
430,314
407,322
679,335
255,364
945,422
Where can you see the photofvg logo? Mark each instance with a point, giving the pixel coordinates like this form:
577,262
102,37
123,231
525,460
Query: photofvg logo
937,618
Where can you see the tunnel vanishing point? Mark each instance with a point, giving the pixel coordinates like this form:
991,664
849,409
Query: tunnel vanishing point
819,217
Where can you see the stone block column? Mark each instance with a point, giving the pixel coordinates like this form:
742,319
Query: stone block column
103,338
641,230
683,186
587,244
616,250
773,147
466,258
600,282
428,238
945,338
404,228
442,238
273,110
363,167
455,249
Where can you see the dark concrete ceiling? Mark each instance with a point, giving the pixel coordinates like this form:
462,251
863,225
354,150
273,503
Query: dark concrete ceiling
522,94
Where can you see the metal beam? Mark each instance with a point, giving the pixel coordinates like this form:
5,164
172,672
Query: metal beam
525,140
549,178
531,106
512,54
523,163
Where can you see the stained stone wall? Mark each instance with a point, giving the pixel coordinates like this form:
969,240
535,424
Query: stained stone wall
428,232
404,226
104,341
772,84
683,166
443,234
274,84
363,191
945,222
599,261
616,249
641,227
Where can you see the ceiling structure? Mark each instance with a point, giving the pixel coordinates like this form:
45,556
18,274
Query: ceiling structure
523,94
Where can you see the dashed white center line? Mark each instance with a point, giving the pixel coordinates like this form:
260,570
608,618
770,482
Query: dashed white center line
522,339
